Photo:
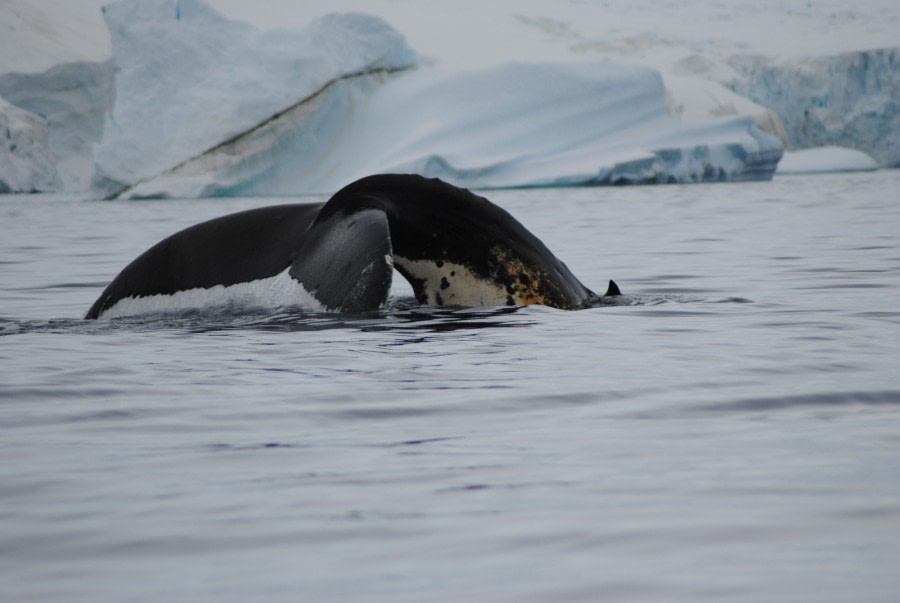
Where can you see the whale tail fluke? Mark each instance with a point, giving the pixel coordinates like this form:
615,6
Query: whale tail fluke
346,263
454,247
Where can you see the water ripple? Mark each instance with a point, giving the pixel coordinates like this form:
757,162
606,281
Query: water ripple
825,399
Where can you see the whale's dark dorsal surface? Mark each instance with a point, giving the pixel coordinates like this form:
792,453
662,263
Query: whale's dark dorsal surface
454,247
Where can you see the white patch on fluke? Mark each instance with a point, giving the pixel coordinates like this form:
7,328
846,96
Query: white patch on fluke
278,291
452,284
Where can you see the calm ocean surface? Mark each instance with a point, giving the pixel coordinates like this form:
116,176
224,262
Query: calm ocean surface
729,432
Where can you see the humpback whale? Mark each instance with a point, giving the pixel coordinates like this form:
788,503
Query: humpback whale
454,247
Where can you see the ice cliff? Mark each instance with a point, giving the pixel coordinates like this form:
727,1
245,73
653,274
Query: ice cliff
26,162
847,100
68,103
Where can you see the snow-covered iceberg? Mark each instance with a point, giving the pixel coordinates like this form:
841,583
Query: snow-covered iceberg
514,125
191,81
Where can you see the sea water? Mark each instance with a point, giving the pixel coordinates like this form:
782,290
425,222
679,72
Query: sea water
729,431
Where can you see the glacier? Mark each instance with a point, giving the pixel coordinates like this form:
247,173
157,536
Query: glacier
847,100
192,103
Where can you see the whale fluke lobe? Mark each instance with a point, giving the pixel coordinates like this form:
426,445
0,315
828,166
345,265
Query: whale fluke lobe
225,251
457,248
346,262
454,247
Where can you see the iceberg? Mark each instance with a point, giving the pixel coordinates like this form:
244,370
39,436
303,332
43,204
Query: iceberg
56,79
196,116
190,81
70,101
515,125
26,162
172,98
847,100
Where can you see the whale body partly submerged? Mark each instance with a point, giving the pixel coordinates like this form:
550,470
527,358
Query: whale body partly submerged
454,247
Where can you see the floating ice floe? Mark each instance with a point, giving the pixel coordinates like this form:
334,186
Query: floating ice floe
826,159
